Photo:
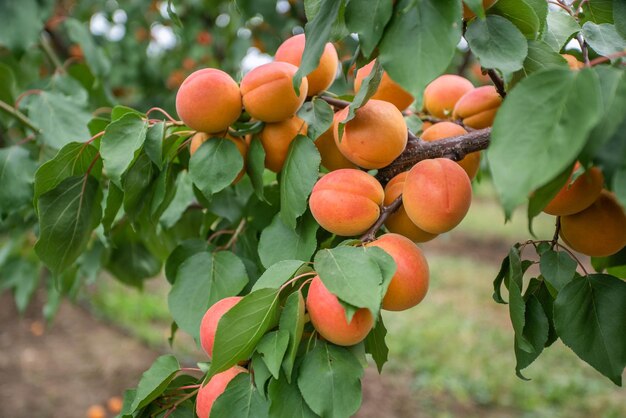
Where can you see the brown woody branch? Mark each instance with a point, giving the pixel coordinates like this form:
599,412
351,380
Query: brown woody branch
386,211
497,82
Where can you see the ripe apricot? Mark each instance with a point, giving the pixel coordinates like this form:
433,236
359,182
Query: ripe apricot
332,158
268,93
210,320
437,195
441,130
599,230
579,195
321,77
208,393
328,317
276,138
115,404
209,100
469,14
96,411
573,62
478,107
200,137
375,137
442,93
346,202
388,90
399,222
409,284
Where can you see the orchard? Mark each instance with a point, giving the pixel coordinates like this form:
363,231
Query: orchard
287,204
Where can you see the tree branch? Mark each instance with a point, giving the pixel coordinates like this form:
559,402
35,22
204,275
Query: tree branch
370,234
7,108
497,82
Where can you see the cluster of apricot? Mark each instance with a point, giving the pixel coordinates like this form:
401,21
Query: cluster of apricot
592,220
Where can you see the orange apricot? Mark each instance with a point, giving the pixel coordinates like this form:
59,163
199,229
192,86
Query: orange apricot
346,202
115,404
442,93
209,100
409,284
208,394
478,107
200,137
599,230
476,72
321,77
375,137
268,93
469,14
388,90
210,320
437,195
96,411
276,138
328,317
573,62
332,158
441,130
579,195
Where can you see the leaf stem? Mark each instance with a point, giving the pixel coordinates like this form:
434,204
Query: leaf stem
497,82
23,119
52,56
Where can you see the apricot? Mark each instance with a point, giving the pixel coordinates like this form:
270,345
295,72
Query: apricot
441,130
321,77
200,137
409,284
209,100
346,202
332,158
469,14
437,195
399,222
579,195
210,320
599,230
268,93
115,404
96,411
375,137
276,138
388,90
442,93
328,317
573,62
478,107
209,393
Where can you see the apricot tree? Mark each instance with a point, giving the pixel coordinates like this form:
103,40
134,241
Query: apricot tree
285,216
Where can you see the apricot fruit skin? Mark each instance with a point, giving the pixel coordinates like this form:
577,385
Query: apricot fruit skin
276,138
208,394
471,162
200,138
388,90
469,14
599,230
437,195
442,93
478,107
577,196
329,317
210,320
209,100
573,62
375,137
399,222
346,202
332,158
268,93
321,77
409,284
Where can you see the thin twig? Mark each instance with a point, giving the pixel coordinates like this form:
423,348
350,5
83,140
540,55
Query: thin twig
610,57
337,103
386,211
47,49
233,239
22,118
557,229
584,49
497,82
562,6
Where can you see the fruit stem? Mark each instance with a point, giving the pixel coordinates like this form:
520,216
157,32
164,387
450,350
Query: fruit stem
497,82
557,229
386,211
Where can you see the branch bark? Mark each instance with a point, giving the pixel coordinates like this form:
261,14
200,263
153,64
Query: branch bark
386,211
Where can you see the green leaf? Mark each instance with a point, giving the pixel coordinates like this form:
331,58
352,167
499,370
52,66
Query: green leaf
20,23
517,306
500,278
420,41
17,172
319,117
79,33
368,18
8,85
376,346
542,196
242,327
619,186
557,268
287,401
261,373
272,347
477,7
154,143
279,242
201,280
299,175
22,275
136,182
181,253
292,321
497,43
540,56
603,38
330,381
240,399
590,318
561,27
525,14
114,200
60,119
154,381
255,166
72,160
619,17
277,274
183,197
536,329
215,165
67,216
598,11
518,139
120,143
130,261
